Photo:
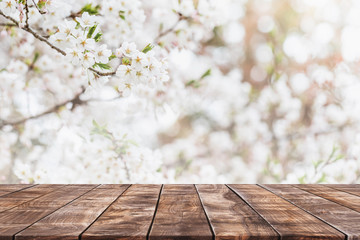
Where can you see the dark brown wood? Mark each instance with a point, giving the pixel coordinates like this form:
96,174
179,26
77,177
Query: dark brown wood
231,218
9,188
180,215
68,222
340,217
22,216
179,212
129,217
288,220
349,188
346,199
14,199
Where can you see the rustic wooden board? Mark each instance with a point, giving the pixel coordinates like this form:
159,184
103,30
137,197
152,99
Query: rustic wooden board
68,222
346,199
288,220
352,189
180,215
129,217
10,188
231,217
175,212
22,216
342,218
17,198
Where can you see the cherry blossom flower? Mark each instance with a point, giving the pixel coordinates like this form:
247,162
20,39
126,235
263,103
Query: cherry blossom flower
8,6
102,54
127,49
86,20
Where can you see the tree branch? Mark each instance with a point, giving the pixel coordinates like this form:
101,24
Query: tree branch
76,101
43,39
8,25
101,73
26,14
181,17
39,10
30,30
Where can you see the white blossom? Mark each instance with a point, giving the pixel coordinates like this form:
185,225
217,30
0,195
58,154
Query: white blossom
102,54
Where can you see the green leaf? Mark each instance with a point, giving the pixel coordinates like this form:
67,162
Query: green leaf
207,73
95,124
103,66
77,25
36,57
193,83
148,48
122,17
97,37
112,57
41,4
90,9
100,130
91,31
126,61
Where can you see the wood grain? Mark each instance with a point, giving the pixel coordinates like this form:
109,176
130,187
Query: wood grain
22,216
231,218
129,217
180,212
288,220
349,188
340,217
10,188
180,215
68,222
346,199
14,199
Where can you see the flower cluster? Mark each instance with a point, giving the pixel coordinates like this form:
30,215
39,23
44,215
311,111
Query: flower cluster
124,20
79,39
139,68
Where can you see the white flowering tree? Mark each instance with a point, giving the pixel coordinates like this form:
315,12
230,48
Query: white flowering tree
122,91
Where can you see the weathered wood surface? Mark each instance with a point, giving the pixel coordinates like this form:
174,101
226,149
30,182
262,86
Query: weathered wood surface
180,215
288,220
342,218
159,212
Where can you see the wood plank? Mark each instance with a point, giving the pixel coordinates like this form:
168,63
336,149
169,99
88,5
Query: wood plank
14,199
10,188
129,217
180,215
22,216
338,216
68,222
288,220
343,198
231,218
349,188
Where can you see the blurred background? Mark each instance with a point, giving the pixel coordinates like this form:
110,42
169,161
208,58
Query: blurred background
259,91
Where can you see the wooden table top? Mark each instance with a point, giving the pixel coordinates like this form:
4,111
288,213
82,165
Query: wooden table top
201,212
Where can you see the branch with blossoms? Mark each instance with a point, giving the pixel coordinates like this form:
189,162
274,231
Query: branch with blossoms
79,38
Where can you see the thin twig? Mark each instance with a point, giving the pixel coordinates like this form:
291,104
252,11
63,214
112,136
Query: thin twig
36,35
10,18
41,38
26,14
169,30
76,101
39,10
101,73
8,25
